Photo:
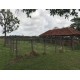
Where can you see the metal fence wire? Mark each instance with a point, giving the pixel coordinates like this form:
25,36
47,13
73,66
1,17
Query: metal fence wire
24,45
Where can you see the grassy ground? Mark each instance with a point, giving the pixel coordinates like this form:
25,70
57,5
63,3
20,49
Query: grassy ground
5,55
69,60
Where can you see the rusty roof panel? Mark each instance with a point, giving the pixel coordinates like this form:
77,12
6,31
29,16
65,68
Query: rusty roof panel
61,32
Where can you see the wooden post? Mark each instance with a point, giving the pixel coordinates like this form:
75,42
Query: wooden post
13,44
32,45
62,43
72,46
44,46
55,44
16,47
10,44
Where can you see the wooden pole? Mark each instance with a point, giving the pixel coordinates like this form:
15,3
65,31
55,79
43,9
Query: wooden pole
72,42
32,45
55,44
16,47
62,43
44,46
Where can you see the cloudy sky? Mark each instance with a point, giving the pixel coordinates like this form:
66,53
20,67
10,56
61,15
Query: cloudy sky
40,22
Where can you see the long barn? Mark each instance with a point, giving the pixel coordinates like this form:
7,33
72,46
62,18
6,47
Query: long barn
63,36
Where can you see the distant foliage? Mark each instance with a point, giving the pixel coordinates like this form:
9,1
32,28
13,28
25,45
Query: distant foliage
76,23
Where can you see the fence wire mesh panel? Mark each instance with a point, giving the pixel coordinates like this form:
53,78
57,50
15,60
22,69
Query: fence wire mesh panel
25,45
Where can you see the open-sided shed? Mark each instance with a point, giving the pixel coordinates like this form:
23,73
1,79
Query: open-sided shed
59,35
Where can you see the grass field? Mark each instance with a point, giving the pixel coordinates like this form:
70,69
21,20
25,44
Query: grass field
69,60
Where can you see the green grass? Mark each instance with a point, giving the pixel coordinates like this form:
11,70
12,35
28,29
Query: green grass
69,60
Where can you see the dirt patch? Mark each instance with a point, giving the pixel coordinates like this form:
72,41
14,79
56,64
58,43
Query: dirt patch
32,54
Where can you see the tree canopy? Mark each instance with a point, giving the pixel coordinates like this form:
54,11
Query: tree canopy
8,20
76,23
60,12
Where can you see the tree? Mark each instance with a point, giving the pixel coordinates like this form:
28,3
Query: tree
76,23
29,11
60,12
8,21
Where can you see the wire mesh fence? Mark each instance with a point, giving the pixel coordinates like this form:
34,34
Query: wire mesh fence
25,45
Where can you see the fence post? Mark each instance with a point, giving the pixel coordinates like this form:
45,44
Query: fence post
55,44
72,43
10,43
13,44
62,43
16,46
44,46
32,45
